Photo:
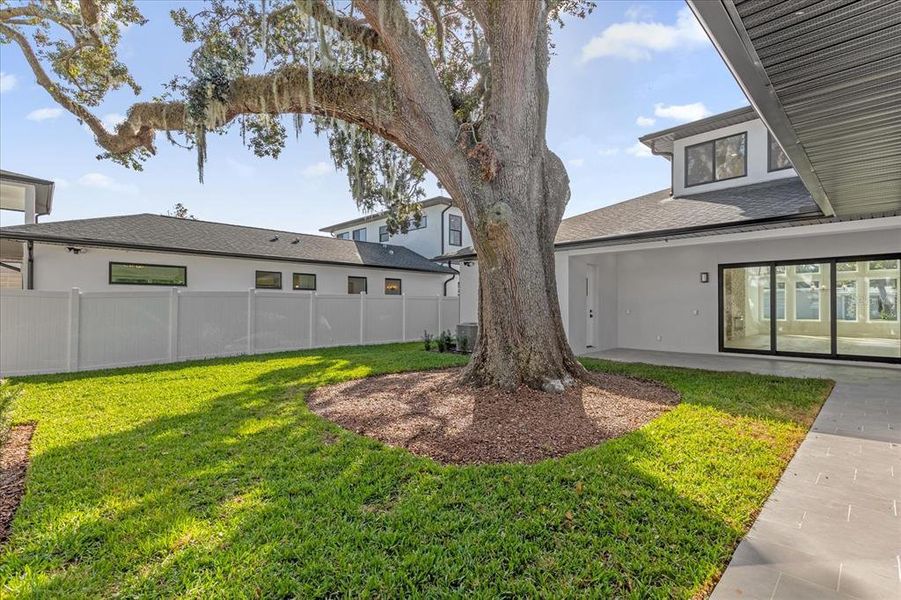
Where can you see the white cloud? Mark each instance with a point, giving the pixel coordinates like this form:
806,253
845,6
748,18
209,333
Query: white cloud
240,169
111,120
638,12
61,184
8,82
319,169
105,182
42,114
608,151
645,121
682,112
576,162
640,150
639,40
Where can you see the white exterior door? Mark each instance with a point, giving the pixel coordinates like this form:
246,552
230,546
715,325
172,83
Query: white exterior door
590,308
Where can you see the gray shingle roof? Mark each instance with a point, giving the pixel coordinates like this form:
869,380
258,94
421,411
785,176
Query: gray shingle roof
170,234
660,211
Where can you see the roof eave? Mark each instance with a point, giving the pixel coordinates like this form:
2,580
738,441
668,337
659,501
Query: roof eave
725,29
382,214
51,239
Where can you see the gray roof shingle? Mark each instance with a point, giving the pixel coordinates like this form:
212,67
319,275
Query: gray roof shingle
661,211
170,234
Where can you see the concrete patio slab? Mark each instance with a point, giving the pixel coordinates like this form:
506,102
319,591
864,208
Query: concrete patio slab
832,526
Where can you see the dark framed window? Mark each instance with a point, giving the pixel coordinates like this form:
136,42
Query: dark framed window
843,307
776,158
303,281
144,274
383,233
344,235
357,285
422,223
393,287
717,160
268,280
359,235
455,230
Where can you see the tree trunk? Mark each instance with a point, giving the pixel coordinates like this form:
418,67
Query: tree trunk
521,336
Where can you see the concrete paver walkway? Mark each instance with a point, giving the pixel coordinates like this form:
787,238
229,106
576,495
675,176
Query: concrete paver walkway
832,526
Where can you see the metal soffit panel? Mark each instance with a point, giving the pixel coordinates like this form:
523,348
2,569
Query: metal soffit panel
833,69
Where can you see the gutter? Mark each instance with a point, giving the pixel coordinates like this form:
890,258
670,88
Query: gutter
30,252
30,238
451,278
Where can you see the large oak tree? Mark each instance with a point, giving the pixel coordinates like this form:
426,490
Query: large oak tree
454,87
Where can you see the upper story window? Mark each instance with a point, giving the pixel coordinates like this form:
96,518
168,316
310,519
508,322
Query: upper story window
421,224
359,235
141,274
455,228
344,235
776,157
717,160
383,233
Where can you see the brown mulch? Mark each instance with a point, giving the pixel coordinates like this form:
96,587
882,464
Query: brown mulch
430,414
14,456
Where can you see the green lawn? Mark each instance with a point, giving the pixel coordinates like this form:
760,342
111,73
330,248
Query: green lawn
212,479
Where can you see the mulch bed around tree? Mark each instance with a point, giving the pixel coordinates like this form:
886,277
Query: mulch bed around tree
14,457
428,413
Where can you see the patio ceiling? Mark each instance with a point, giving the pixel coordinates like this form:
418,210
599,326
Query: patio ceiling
825,76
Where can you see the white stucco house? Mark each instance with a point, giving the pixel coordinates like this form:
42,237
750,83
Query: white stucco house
692,268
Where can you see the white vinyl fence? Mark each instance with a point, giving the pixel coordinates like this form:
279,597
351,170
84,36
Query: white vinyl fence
52,332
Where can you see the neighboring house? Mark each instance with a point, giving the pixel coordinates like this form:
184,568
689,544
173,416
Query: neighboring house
693,268
137,251
32,197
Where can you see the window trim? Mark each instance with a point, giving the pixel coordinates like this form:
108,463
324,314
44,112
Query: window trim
365,284
300,289
769,305
833,322
451,230
713,144
856,318
400,286
769,155
256,284
113,262
814,286
384,236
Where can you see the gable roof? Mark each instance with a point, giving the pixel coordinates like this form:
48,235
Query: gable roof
435,201
187,236
660,213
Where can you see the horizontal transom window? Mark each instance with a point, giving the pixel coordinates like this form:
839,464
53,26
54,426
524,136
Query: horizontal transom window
144,274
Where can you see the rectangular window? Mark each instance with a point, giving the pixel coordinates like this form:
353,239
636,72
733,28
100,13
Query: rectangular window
392,287
268,280
776,157
884,299
383,233
359,235
716,160
811,268
807,300
344,235
846,300
356,285
422,223
846,267
455,227
882,265
141,274
304,281
780,301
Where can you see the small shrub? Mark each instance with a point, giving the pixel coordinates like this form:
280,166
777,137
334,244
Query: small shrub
427,340
8,395
445,341
463,344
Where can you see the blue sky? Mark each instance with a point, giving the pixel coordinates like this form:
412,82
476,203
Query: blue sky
629,69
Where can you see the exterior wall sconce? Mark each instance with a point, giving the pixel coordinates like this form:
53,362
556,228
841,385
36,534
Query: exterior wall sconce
705,277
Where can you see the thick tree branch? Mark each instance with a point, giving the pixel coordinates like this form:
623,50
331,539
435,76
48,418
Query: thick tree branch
364,103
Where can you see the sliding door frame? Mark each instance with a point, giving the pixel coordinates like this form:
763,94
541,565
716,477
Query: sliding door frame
833,311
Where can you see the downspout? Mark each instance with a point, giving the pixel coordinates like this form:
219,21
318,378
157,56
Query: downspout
452,277
30,248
